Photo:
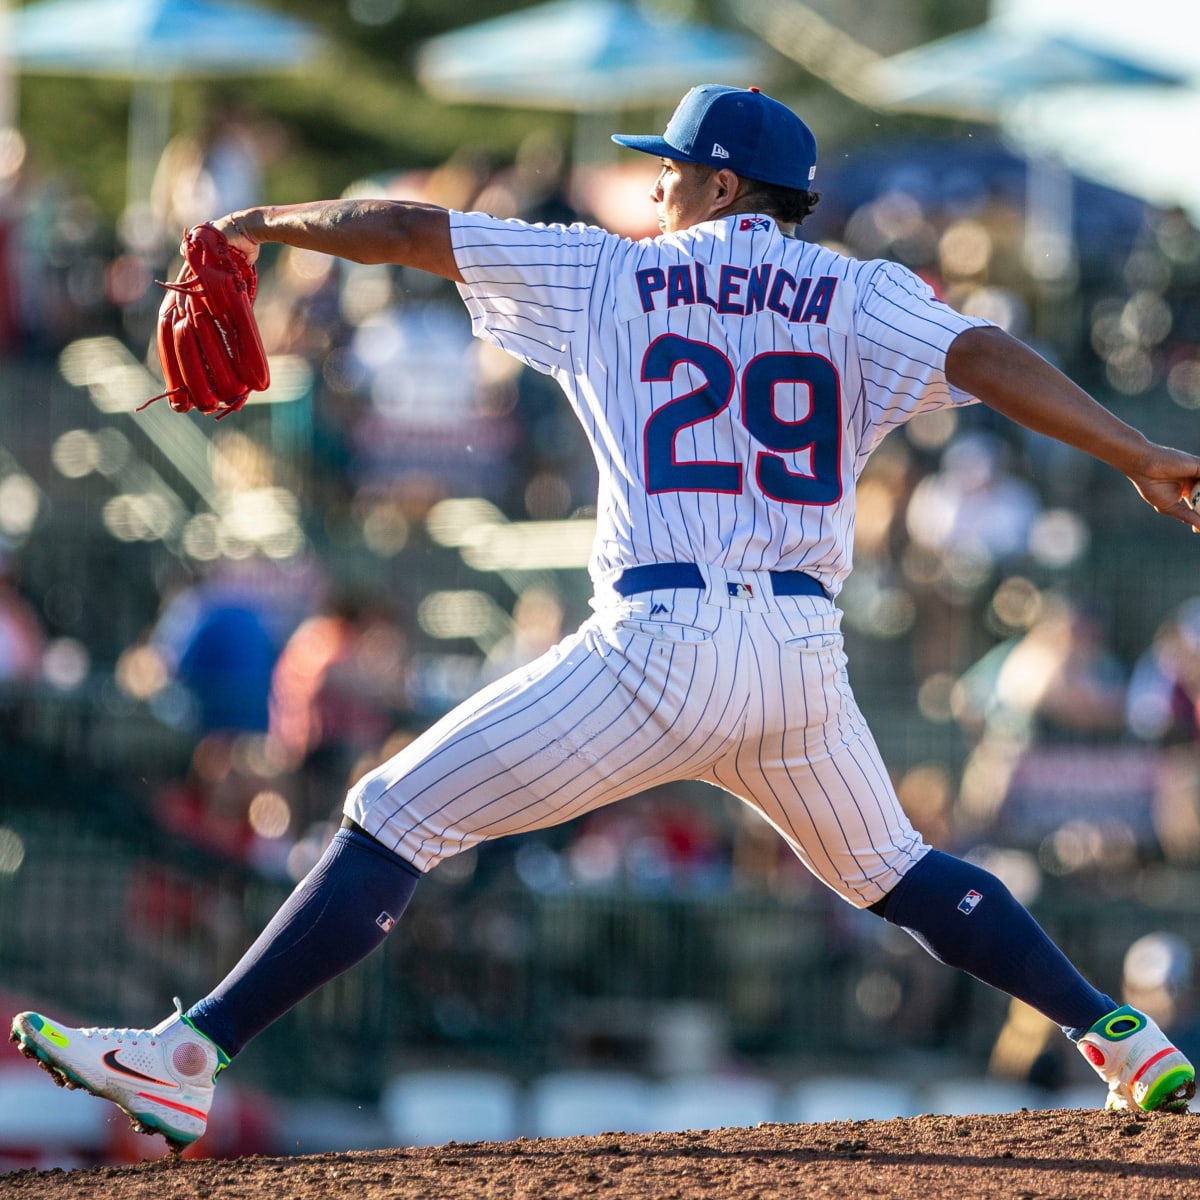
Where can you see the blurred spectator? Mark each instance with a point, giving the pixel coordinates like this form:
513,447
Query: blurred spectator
458,181
659,841
877,600
535,188
1158,976
1049,771
1163,708
1030,1049
761,861
969,519
22,636
210,806
226,660
435,411
1058,680
62,248
1145,325
12,160
537,626
231,803
214,639
340,686
974,507
1164,687
216,170
297,308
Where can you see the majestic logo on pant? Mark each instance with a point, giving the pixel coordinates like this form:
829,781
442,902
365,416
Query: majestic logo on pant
741,591
657,608
968,902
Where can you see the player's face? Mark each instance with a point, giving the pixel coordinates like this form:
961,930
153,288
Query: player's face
684,194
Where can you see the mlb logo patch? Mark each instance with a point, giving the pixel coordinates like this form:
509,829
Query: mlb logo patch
741,591
968,902
386,922
758,223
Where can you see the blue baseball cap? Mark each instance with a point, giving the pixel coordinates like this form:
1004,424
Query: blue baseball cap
739,128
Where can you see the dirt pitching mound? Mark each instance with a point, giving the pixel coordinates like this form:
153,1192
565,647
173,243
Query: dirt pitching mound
1088,1155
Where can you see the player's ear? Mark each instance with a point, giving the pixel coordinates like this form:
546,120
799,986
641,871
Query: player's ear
725,185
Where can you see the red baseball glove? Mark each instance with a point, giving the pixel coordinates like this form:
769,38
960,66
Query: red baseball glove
208,342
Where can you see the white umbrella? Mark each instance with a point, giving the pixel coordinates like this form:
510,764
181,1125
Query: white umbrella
583,56
982,72
1139,139
992,72
590,57
152,43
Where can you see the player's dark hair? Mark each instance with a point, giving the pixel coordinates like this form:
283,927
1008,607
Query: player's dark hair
789,206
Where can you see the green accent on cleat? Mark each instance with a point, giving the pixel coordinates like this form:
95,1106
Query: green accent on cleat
223,1059
1160,1096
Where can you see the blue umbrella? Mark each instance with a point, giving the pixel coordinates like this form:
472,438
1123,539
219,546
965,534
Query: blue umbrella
583,56
157,39
153,42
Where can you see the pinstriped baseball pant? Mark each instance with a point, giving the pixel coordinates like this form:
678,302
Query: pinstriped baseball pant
748,694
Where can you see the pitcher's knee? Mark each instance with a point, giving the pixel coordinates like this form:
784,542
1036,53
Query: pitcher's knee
870,888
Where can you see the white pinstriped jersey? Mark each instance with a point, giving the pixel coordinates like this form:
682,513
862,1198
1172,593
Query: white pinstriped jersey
732,381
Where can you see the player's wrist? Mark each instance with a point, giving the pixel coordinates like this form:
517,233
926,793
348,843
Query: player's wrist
248,224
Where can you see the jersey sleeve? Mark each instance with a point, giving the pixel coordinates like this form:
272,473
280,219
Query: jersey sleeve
527,287
904,332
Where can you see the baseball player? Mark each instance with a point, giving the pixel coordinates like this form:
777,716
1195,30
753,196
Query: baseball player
732,379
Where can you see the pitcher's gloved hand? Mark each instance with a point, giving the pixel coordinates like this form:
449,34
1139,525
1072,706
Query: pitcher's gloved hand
208,341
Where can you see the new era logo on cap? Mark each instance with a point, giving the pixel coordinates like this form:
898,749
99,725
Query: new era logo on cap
719,151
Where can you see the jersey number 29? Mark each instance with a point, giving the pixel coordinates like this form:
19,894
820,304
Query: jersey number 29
818,431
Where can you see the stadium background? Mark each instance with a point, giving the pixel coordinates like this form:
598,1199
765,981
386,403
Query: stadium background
408,516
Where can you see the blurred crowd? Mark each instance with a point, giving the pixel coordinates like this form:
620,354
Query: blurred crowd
291,669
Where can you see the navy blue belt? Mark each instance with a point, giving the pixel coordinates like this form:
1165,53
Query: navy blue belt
687,575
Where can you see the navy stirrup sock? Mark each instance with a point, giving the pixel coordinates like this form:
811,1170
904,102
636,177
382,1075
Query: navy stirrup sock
338,914
967,918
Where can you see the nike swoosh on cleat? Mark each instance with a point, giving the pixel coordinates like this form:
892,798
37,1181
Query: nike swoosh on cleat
52,1035
113,1063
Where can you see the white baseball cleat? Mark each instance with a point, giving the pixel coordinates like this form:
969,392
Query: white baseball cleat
163,1078
1138,1062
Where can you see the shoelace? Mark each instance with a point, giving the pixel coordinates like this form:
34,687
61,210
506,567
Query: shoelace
113,1034
126,1034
